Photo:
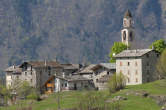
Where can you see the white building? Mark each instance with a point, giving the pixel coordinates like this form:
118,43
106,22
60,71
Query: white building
138,66
66,83
13,74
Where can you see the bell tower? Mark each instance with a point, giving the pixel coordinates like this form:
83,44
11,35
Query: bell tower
127,33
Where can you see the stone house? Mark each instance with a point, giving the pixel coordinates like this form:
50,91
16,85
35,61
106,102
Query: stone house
69,69
34,72
13,74
86,71
138,66
101,74
65,83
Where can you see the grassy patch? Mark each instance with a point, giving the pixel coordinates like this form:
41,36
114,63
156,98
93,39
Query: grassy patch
70,99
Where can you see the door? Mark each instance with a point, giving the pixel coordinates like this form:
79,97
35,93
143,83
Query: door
75,86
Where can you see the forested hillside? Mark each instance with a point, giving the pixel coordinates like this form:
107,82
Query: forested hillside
75,31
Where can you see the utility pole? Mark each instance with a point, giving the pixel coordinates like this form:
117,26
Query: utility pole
58,81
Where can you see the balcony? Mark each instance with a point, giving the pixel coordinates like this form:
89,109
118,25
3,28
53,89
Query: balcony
50,85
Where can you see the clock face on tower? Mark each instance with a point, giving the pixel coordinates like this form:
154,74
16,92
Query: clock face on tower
124,35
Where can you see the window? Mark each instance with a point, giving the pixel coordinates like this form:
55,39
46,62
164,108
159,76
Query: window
157,55
17,77
147,55
62,85
49,73
136,64
136,72
31,80
128,63
31,68
49,68
120,63
147,63
130,22
124,35
136,80
96,80
107,72
31,72
124,22
65,84
131,36
25,73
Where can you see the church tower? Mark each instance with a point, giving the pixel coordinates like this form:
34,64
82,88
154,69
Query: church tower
127,33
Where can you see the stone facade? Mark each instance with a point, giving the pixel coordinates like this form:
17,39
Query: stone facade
13,74
36,73
86,71
138,66
101,74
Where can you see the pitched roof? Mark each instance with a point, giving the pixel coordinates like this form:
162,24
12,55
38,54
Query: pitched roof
73,78
14,69
43,63
133,53
106,65
109,65
127,14
87,69
70,66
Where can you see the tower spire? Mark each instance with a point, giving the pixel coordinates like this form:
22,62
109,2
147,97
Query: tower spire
128,14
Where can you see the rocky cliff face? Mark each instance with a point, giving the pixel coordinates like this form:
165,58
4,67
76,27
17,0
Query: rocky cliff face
73,30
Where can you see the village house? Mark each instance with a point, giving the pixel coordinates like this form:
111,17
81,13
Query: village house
34,72
86,71
66,83
102,73
13,74
69,69
138,66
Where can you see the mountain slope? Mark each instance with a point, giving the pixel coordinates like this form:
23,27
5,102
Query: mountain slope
73,31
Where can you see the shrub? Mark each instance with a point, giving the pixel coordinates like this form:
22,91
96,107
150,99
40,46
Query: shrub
33,95
96,101
90,101
116,82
